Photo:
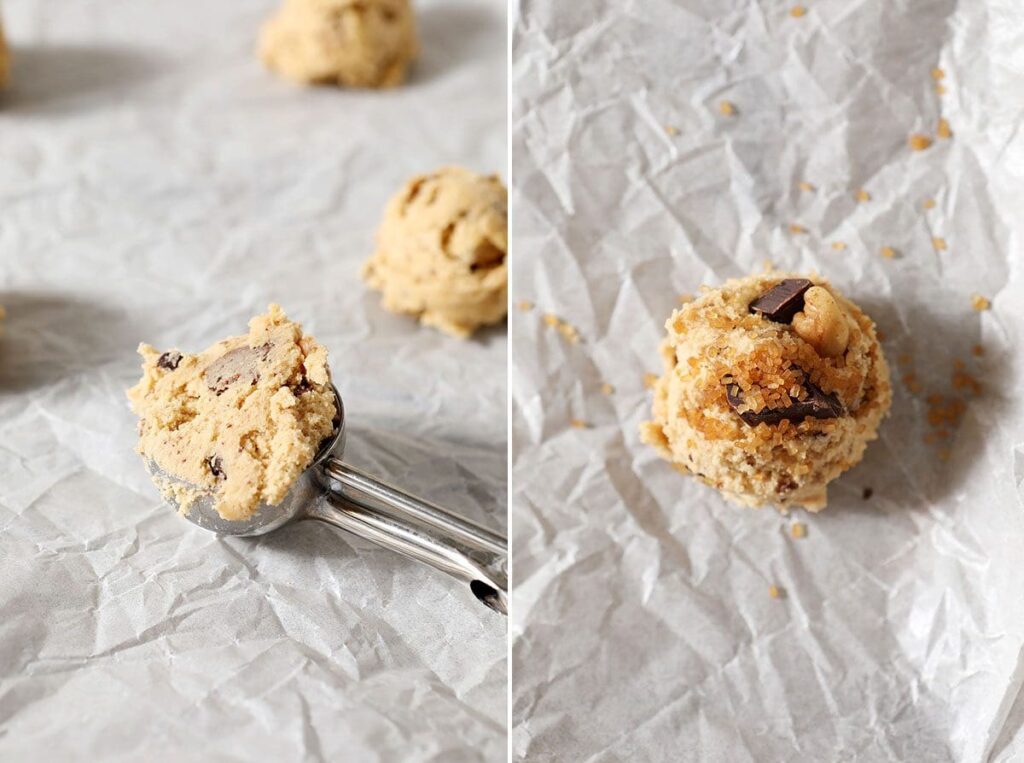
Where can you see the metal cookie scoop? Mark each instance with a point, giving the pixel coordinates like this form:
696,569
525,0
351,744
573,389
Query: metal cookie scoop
334,492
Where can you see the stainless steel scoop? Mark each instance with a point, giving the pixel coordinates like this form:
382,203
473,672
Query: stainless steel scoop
341,495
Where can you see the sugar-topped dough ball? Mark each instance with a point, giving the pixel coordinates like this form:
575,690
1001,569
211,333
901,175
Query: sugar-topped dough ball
773,386
354,43
441,251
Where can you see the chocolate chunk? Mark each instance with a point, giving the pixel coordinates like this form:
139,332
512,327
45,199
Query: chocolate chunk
785,484
216,466
817,404
868,492
240,366
784,300
169,360
486,256
302,387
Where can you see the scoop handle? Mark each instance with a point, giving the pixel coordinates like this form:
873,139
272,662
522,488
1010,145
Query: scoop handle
382,513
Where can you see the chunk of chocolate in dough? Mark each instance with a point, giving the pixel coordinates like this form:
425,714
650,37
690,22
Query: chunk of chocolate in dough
784,300
239,366
169,360
216,466
817,404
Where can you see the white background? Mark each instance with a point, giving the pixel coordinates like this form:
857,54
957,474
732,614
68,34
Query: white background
156,184
643,629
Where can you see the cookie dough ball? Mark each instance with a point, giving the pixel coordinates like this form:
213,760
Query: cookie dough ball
773,387
441,251
356,43
239,421
5,59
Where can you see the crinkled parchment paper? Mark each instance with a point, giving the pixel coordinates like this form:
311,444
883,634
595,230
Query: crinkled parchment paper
157,184
643,626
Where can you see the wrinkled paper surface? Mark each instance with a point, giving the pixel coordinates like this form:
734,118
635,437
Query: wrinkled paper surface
156,184
643,628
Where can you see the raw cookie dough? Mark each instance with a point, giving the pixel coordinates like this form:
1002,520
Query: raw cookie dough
441,251
769,393
5,59
357,43
242,419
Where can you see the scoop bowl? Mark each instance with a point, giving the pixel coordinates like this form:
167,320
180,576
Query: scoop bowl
332,491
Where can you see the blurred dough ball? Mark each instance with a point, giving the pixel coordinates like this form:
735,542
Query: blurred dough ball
356,43
441,251
5,58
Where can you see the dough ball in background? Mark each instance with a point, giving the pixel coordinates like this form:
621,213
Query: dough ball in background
5,58
354,43
441,251
773,386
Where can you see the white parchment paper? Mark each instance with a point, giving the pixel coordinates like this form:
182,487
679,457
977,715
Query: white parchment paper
643,628
157,184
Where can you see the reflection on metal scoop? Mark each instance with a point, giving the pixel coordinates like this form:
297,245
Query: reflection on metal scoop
334,492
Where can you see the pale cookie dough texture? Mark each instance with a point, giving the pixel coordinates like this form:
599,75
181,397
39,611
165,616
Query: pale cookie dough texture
241,420
354,43
769,411
441,251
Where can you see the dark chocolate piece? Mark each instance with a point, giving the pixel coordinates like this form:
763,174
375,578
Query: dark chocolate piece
216,466
486,256
817,404
169,360
784,300
868,492
785,484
